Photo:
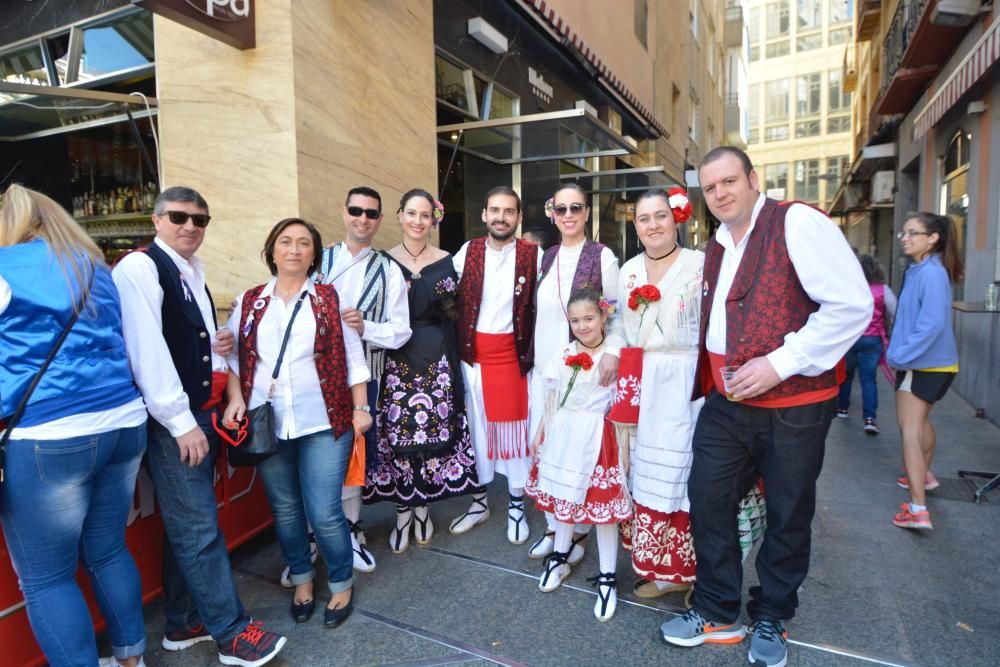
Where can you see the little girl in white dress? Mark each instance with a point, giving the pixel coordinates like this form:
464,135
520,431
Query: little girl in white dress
577,473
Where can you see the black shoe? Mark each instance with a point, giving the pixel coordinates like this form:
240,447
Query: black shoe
334,617
302,611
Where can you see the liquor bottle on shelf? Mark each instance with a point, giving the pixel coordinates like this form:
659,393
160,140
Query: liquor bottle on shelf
120,201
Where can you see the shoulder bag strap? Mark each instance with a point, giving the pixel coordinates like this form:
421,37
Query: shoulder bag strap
16,417
284,344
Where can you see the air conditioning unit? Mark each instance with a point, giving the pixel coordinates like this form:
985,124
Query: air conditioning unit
883,183
956,13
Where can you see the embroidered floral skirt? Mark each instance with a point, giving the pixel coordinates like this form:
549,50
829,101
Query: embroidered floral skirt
661,545
607,500
416,405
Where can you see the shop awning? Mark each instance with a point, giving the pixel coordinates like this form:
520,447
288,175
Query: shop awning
975,64
621,180
572,134
30,111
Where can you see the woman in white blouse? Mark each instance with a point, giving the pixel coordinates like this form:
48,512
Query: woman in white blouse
659,295
576,263
319,390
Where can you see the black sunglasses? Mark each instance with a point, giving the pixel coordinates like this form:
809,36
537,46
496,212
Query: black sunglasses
561,209
370,213
180,218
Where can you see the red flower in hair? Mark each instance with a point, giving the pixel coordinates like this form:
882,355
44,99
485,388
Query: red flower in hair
677,199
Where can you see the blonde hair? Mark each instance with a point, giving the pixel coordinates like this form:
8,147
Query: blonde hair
26,215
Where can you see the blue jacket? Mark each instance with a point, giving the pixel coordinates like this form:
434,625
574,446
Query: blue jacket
922,336
90,373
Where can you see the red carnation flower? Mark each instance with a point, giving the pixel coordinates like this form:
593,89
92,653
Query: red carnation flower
581,360
643,296
577,362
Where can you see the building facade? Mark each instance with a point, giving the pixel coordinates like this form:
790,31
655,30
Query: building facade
799,113
925,138
103,103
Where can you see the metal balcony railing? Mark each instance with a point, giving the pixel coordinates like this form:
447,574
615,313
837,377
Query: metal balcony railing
904,23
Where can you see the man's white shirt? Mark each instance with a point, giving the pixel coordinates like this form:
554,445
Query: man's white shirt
347,275
138,284
496,310
831,276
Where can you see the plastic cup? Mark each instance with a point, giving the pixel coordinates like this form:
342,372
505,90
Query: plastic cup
727,376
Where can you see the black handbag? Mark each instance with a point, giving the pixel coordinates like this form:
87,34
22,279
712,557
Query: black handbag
16,417
259,442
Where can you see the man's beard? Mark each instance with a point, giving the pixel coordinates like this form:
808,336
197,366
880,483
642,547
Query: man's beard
498,236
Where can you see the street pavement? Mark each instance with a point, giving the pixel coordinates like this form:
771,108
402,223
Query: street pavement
875,594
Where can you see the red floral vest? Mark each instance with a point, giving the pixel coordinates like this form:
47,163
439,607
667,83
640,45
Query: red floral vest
765,302
470,297
329,351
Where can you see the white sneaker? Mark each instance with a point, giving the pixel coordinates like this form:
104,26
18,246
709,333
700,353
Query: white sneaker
286,574
423,527
543,546
579,548
556,569
477,513
364,561
399,536
113,662
517,524
607,596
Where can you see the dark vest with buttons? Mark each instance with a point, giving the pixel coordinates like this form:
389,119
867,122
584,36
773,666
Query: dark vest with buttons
470,298
328,350
766,302
184,331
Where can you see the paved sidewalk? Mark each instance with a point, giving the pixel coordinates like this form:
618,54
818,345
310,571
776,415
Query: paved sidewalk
876,594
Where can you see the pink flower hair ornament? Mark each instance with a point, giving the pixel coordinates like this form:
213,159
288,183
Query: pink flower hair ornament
550,204
679,204
606,305
437,212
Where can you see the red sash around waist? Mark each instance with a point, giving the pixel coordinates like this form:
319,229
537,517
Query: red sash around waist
219,379
717,361
505,390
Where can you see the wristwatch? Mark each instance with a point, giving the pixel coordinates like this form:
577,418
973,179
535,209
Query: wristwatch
363,408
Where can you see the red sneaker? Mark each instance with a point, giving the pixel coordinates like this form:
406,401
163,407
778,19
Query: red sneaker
181,639
907,519
930,482
253,647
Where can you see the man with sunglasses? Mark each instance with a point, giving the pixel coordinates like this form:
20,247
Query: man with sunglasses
496,325
179,363
373,300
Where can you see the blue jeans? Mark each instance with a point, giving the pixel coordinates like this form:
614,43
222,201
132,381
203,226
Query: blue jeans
64,501
305,480
197,578
863,356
